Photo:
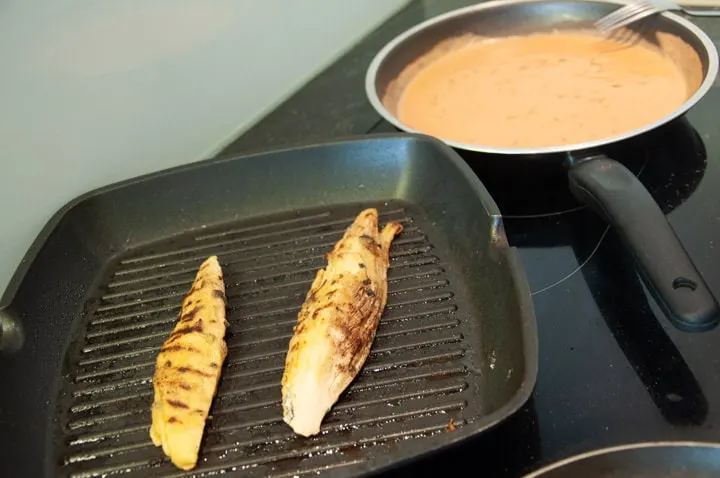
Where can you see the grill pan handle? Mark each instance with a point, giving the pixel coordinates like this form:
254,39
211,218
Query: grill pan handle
613,191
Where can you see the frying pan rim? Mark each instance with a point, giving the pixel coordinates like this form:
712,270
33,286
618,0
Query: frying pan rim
377,61
618,448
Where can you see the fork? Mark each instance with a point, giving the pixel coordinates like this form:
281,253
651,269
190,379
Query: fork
639,9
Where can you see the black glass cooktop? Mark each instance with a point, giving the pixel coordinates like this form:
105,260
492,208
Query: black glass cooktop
612,368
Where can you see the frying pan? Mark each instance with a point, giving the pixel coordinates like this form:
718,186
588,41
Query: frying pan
595,179
640,460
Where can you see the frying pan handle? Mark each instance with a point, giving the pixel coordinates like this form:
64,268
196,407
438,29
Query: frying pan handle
614,192
11,334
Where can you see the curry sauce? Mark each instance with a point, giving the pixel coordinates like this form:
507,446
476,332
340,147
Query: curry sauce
542,90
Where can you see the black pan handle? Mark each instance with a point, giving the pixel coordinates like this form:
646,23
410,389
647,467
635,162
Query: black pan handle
613,191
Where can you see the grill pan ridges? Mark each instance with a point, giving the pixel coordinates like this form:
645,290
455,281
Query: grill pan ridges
414,383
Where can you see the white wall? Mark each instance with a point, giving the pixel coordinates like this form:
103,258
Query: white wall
92,92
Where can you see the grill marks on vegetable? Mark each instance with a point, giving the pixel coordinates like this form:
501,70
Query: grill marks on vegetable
337,322
176,403
196,327
185,381
190,315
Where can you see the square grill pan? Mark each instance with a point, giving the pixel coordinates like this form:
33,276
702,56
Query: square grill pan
100,290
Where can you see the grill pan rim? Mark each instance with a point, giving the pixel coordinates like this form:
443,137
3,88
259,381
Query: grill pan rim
521,292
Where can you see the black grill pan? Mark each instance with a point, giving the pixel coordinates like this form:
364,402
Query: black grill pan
99,291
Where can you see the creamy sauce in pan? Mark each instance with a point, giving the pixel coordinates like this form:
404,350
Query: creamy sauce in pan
541,90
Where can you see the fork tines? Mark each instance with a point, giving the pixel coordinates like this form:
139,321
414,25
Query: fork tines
626,14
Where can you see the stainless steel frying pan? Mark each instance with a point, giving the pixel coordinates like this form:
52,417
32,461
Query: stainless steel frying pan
595,179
